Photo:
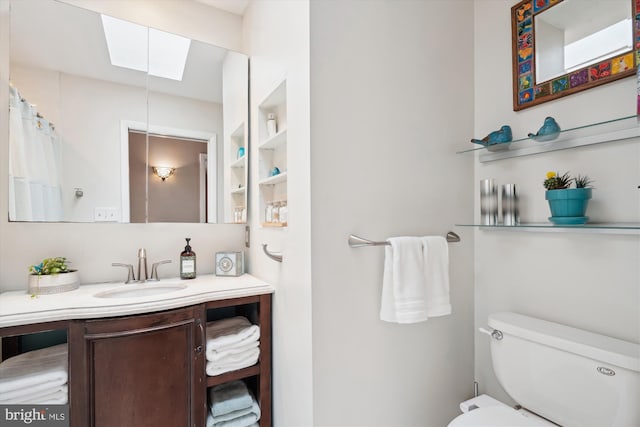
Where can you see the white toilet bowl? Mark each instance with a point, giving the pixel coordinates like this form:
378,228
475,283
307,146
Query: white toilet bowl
485,411
498,416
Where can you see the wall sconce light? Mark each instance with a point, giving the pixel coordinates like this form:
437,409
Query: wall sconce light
163,172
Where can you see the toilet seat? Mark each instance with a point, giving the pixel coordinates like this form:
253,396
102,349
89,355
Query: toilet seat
493,416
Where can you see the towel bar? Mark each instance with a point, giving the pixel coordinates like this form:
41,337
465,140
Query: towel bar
358,242
276,256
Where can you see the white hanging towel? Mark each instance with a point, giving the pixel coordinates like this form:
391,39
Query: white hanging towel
415,285
436,273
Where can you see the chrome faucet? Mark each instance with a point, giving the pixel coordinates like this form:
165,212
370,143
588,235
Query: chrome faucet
142,265
154,270
143,275
131,278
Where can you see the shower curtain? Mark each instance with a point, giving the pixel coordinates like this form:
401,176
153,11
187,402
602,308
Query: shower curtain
35,184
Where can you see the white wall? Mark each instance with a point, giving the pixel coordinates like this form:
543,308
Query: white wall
589,281
391,102
93,247
277,41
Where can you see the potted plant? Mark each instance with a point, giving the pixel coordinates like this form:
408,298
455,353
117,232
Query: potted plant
52,276
568,205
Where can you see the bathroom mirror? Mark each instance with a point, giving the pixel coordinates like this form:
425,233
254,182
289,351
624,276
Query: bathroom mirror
106,126
562,47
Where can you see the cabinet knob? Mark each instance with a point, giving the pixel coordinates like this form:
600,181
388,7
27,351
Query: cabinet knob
198,349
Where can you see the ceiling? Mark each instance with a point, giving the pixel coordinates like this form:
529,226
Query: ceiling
234,6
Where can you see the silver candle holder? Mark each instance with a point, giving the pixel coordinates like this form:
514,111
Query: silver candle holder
488,202
510,210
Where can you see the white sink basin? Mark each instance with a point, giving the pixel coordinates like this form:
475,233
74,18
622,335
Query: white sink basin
139,291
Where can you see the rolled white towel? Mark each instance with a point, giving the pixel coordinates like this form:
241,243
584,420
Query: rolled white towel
249,358
232,332
30,393
47,366
216,355
56,396
251,353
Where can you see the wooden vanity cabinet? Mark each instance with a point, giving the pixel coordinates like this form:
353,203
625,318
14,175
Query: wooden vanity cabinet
142,370
149,369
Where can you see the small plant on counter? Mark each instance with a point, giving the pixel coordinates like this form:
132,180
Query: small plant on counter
50,266
52,276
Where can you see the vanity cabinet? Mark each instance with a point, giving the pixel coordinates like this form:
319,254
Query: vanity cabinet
144,370
148,369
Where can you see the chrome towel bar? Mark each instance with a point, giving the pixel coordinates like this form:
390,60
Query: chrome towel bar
358,242
276,256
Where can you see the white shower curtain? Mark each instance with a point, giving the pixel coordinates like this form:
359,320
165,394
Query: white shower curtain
35,184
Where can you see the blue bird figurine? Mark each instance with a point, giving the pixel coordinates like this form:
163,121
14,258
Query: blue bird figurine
501,136
549,130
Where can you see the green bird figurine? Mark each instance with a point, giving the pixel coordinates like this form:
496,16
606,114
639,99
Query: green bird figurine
549,130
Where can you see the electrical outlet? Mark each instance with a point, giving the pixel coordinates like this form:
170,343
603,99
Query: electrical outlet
100,214
112,214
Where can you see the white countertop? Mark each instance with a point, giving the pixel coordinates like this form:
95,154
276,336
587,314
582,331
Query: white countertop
20,308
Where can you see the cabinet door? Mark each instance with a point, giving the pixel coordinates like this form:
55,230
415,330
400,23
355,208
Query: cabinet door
145,370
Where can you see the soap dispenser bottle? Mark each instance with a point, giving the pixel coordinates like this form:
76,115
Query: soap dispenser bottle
187,262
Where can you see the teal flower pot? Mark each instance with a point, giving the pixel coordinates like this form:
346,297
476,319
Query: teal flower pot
570,202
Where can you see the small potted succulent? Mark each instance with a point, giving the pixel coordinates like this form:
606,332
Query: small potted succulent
568,205
52,276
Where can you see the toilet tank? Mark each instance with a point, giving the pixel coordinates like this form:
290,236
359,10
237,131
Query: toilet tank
572,377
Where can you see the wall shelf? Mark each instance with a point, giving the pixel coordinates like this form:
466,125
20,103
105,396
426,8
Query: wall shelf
596,133
278,140
273,180
629,228
239,163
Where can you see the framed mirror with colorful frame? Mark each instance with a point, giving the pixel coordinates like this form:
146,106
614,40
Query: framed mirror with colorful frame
527,91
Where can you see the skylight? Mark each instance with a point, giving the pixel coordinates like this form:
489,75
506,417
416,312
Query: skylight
608,42
128,48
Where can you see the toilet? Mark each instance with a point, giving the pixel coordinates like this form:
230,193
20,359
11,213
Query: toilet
559,375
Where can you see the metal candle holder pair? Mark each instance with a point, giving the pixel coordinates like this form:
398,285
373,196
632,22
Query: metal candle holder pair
489,203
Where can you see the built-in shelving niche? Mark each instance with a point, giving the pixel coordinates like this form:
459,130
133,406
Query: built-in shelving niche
272,153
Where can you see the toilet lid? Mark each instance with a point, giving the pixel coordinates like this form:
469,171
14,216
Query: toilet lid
492,416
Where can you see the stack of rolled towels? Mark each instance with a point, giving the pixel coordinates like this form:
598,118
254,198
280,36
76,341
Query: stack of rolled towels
37,377
232,344
232,405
